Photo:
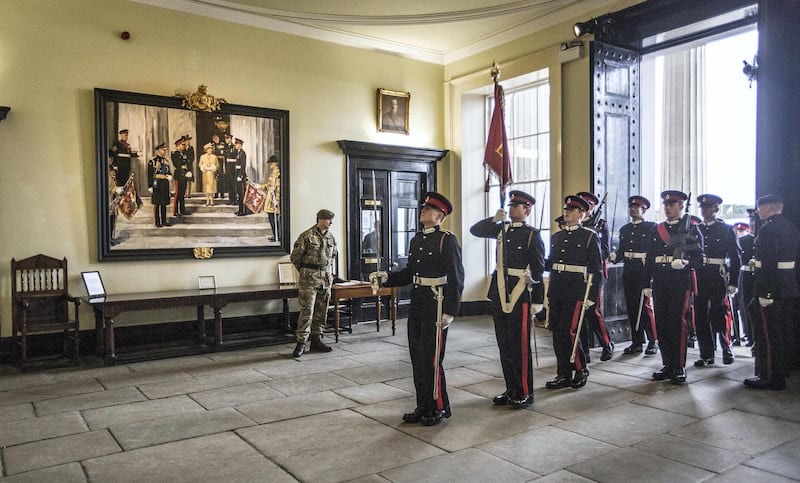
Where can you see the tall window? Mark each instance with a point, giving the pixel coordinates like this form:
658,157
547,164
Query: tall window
527,114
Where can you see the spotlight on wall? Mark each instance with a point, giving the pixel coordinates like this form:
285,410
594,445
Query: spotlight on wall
601,27
4,112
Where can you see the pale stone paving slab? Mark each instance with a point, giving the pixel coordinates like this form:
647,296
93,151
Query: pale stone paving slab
140,378
40,393
11,378
464,465
69,473
306,366
461,376
27,430
294,406
694,454
219,457
782,460
17,411
182,426
717,396
745,473
563,476
89,401
544,450
377,372
196,384
630,464
372,393
56,451
310,383
235,395
781,405
365,445
139,411
571,403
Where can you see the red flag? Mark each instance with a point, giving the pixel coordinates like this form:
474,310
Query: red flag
254,198
497,155
128,202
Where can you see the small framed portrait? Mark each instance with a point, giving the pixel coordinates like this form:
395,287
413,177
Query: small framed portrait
393,111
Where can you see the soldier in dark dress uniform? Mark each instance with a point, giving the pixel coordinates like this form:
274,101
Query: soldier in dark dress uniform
437,274
520,263
774,288
181,164
674,252
633,239
219,151
716,279
595,323
121,155
240,170
230,169
574,255
158,178
745,294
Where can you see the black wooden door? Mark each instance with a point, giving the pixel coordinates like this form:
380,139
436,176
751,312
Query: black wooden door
615,156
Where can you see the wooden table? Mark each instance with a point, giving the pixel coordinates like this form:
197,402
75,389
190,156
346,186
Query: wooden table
360,290
109,307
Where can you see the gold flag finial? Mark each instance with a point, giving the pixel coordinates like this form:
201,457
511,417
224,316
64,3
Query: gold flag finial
495,72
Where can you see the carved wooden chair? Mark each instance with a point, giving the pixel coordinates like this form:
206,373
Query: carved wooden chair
40,303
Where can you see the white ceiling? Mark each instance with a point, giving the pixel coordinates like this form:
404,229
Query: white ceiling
437,31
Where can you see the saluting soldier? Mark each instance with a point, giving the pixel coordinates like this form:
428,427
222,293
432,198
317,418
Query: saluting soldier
716,279
313,255
745,295
158,178
774,288
674,251
436,271
121,154
241,175
633,240
574,255
516,292
595,323
180,161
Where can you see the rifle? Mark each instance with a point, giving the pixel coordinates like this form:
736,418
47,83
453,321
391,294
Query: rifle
594,218
677,240
613,222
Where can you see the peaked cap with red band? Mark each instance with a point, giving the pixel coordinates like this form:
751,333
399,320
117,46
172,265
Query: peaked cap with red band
589,198
639,201
436,200
671,196
709,200
521,198
741,226
574,201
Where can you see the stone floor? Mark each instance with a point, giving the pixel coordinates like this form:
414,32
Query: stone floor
259,415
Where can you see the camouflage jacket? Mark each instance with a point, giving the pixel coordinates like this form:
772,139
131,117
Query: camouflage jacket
313,254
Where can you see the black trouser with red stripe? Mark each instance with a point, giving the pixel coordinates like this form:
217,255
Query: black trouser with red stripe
632,286
160,214
595,324
422,347
771,332
564,315
513,332
179,204
672,298
712,312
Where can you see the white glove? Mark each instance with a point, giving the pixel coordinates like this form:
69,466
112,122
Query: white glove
169,177
732,289
751,263
647,292
239,178
537,308
188,174
765,302
150,190
588,303
119,191
376,279
612,257
447,319
499,216
678,264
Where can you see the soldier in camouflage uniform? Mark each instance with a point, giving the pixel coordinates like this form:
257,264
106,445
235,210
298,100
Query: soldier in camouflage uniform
313,254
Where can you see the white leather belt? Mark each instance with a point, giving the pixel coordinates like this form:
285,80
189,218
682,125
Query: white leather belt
781,265
713,261
429,281
517,272
664,259
563,267
746,268
635,255
123,155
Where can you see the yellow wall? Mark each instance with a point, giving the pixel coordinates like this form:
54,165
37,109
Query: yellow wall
53,53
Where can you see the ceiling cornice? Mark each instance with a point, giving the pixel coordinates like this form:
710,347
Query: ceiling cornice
544,14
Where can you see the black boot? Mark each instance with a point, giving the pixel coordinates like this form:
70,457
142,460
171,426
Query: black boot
299,349
318,345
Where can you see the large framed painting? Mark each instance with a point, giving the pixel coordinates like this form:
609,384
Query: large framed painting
180,179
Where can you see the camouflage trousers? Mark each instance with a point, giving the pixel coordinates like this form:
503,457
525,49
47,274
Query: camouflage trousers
313,311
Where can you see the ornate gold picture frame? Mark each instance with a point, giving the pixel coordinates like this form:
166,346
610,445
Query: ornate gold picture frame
393,110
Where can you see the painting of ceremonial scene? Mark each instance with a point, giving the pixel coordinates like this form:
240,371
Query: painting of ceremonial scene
171,178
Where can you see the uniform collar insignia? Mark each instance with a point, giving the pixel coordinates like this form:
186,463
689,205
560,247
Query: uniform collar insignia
636,222
709,223
517,224
571,228
672,222
430,230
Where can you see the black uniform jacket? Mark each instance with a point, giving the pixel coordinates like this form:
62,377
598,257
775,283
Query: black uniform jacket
524,248
181,163
720,241
658,246
633,238
432,253
777,240
577,246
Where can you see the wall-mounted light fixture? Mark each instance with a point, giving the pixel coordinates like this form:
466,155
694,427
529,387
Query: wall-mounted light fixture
4,112
602,27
